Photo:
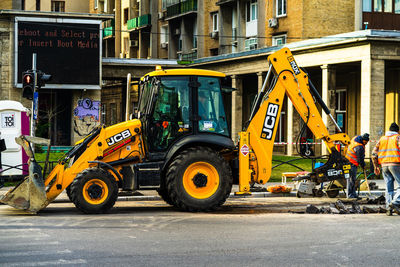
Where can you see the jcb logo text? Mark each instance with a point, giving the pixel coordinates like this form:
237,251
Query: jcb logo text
118,137
295,68
270,121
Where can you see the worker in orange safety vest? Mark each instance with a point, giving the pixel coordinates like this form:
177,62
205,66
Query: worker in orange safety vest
387,154
356,155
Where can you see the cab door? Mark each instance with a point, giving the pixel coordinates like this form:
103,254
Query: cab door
169,118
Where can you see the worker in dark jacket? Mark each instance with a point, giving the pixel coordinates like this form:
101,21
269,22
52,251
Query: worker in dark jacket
356,155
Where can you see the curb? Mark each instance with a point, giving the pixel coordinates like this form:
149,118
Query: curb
231,196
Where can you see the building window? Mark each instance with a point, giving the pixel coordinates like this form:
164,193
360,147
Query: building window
340,108
164,34
113,113
37,5
387,5
195,34
280,8
126,15
180,43
103,113
280,133
381,6
214,52
214,21
367,6
251,10
126,46
397,6
58,6
279,40
250,44
96,4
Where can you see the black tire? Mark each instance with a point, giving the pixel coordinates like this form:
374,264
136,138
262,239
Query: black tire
96,185
215,169
163,193
332,192
68,191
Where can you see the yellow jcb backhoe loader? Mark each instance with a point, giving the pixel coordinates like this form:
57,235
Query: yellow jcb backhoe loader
180,145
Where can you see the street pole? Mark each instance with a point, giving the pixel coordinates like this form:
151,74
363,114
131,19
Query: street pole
128,95
35,97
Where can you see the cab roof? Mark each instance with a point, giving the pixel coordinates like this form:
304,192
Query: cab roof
185,72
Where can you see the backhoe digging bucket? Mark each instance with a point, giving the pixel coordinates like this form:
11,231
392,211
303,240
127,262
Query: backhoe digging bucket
29,195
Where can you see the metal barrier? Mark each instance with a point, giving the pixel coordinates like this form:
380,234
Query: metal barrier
18,178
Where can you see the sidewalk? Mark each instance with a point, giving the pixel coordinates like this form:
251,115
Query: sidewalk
146,195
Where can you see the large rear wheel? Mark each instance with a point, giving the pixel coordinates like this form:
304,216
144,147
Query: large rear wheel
199,179
94,191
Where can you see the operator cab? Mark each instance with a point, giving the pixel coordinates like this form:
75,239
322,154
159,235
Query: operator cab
175,104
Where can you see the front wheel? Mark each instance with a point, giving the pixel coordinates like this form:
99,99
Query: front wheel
94,190
332,191
199,179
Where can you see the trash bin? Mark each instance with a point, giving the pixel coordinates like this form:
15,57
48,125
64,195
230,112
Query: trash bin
14,121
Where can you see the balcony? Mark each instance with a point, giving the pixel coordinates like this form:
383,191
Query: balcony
181,8
108,29
139,22
187,56
132,23
108,32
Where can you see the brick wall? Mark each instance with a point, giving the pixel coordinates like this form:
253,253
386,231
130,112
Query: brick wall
6,4
323,17
311,19
206,23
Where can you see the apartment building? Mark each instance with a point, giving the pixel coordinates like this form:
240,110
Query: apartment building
78,6
236,36
67,43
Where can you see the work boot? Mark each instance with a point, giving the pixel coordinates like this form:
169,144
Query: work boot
395,208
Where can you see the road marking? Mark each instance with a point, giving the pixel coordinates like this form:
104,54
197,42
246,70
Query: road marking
24,236
33,253
5,230
22,244
48,263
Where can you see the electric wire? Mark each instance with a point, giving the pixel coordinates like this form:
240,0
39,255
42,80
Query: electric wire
69,26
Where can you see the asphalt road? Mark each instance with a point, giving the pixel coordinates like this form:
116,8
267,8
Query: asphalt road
245,232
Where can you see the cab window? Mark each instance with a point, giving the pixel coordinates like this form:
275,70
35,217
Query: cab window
170,117
211,107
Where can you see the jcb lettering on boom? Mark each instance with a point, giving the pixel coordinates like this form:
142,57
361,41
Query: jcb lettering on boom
270,120
295,68
118,137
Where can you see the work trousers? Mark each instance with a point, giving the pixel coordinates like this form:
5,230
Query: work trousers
390,174
351,183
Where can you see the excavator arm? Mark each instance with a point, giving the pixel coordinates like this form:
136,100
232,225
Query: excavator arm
257,141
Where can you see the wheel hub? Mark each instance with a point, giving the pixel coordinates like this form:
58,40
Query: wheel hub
200,180
95,191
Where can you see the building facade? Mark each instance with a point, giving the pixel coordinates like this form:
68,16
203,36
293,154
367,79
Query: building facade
236,36
354,67
77,6
68,106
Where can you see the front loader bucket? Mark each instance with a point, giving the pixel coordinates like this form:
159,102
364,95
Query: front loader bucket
29,195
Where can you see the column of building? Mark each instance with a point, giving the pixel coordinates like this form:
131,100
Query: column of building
328,94
237,115
372,95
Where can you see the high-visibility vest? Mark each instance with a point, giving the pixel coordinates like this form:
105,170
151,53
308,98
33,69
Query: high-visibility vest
351,154
389,151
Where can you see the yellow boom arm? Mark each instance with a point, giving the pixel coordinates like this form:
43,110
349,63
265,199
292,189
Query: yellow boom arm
256,143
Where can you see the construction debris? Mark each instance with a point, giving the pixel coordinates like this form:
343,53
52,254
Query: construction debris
340,208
